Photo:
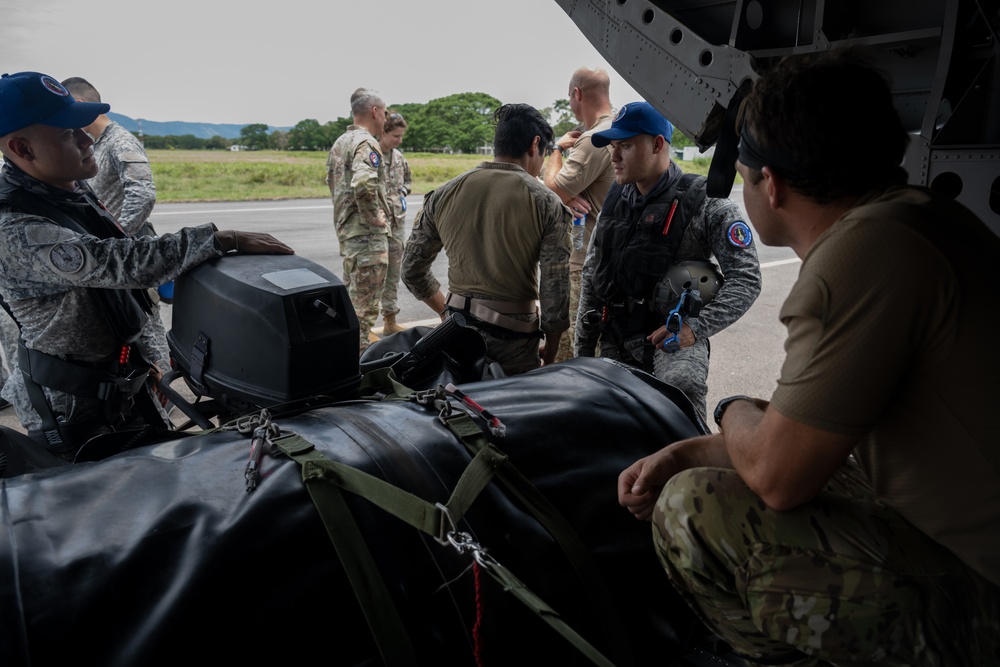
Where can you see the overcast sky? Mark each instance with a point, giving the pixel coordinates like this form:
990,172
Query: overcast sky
222,61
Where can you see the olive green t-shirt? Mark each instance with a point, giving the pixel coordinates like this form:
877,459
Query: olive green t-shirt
888,340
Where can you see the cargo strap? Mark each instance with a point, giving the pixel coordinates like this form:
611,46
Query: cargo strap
325,479
383,385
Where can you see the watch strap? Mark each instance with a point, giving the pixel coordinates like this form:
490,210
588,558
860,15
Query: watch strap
720,409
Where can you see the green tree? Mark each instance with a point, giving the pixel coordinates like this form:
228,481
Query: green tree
462,122
154,142
254,136
680,140
278,140
217,143
187,142
564,119
333,129
307,135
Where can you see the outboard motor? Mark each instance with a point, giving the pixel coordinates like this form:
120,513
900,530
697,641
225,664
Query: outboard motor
257,331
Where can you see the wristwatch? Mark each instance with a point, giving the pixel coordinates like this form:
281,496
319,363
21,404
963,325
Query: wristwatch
557,147
720,409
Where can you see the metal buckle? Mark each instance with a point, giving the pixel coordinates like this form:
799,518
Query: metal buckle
447,527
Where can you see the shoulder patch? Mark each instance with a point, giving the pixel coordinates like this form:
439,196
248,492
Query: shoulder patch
375,159
739,234
66,257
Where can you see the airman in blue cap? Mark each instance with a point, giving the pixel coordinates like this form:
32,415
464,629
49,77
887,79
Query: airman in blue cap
653,247
71,277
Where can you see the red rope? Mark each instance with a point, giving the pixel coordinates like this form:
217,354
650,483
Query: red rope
477,638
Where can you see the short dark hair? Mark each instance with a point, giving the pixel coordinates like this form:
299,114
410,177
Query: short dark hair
82,89
516,127
807,111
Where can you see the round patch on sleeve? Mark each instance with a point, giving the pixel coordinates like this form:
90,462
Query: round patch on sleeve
739,234
374,158
66,257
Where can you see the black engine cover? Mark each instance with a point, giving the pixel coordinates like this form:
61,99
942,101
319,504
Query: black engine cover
248,328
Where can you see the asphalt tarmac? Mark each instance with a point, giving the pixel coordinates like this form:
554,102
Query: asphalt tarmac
746,357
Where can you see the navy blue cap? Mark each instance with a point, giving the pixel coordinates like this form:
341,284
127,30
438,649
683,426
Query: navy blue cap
632,119
30,98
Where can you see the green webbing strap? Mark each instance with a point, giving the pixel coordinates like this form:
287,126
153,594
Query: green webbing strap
435,520
462,425
513,585
431,519
369,588
375,384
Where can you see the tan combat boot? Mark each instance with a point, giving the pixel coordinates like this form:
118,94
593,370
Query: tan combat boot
389,325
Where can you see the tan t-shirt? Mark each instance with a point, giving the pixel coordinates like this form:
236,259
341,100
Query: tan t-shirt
887,340
587,171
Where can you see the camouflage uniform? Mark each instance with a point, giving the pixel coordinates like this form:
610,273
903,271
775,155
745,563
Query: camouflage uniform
498,226
8,341
586,171
708,234
356,175
124,180
844,578
46,270
397,186
124,184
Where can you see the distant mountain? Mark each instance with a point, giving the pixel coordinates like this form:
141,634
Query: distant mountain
179,128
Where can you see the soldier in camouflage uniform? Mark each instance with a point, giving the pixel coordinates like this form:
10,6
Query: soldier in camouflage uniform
498,224
852,519
73,279
398,181
124,184
656,218
355,172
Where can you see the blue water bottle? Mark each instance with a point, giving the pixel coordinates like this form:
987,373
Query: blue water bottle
579,228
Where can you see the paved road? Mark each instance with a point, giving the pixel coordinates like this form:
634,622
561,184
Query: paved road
746,357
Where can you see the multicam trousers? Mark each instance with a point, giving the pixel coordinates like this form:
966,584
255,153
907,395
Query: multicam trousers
566,348
366,260
843,579
390,292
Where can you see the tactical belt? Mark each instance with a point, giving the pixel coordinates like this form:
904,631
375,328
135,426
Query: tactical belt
87,380
492,312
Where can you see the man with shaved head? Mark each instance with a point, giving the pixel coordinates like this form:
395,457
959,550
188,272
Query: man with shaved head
581,173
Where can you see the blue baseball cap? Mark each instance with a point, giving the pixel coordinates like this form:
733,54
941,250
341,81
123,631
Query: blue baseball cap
30,98
632,119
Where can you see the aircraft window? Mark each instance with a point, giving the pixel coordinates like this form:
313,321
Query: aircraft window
995,196
647,16
754,15
949,183
676,36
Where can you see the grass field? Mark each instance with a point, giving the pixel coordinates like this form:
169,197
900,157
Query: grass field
183,176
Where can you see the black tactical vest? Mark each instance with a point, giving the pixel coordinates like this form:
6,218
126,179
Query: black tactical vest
637,247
